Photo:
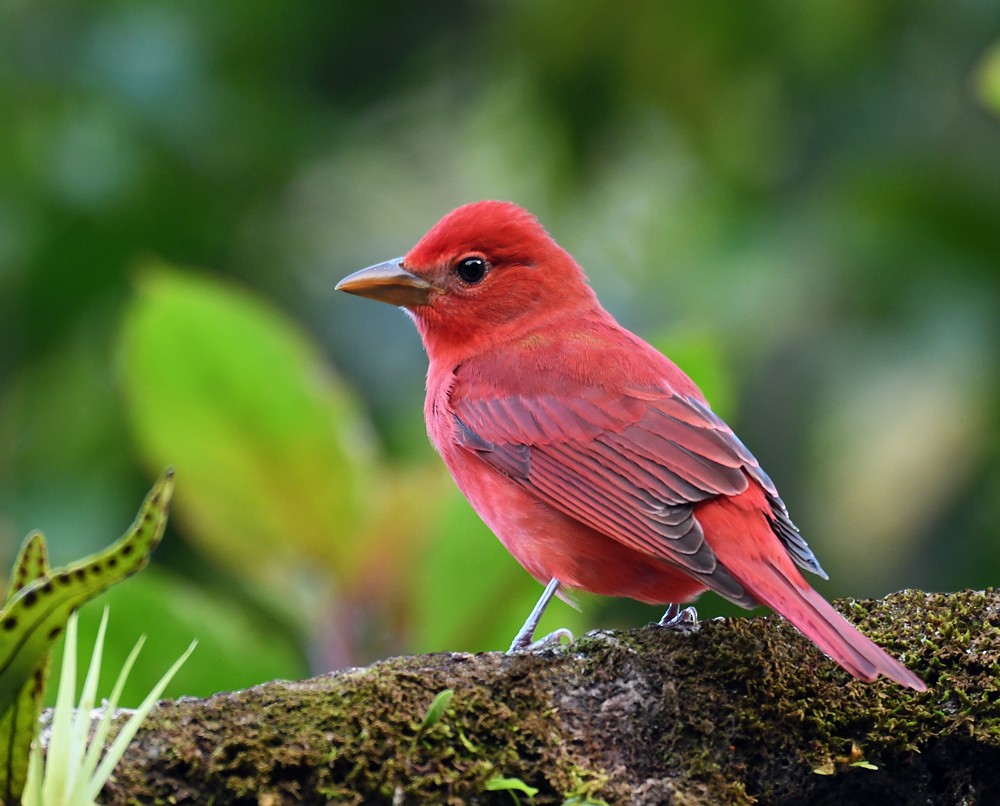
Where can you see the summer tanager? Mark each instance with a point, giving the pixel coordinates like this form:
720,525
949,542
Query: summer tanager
593,458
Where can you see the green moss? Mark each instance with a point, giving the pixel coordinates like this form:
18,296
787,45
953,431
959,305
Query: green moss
361,740
743,709
787,706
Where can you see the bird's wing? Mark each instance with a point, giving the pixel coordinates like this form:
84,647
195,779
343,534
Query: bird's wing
631,466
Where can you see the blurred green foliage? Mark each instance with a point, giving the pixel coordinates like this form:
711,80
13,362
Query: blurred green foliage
798,202
275,453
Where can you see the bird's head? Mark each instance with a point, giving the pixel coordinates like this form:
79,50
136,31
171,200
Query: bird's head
485,271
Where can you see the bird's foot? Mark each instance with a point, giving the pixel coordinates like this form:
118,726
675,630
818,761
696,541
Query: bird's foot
685,620
523,643
523,640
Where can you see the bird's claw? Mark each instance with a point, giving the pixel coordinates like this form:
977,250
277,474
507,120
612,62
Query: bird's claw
523,643
685,620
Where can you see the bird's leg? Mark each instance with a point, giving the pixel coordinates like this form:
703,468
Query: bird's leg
685,620
522,641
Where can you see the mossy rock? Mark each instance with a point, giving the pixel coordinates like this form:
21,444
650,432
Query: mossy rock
742,711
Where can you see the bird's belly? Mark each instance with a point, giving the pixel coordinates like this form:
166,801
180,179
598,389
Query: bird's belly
549,544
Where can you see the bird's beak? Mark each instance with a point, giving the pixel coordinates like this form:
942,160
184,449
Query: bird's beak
388,282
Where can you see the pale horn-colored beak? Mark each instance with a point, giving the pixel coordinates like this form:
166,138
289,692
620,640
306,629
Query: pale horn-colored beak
388,282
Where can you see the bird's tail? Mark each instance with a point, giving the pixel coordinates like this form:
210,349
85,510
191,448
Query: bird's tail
815,618
750,551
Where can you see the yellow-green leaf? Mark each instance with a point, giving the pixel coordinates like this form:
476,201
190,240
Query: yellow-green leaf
500,784
32,562
437,708
272,447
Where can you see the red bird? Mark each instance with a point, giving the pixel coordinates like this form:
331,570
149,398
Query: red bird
593,457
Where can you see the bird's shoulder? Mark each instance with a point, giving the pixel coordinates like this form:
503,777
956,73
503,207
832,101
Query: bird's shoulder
565,385
588,357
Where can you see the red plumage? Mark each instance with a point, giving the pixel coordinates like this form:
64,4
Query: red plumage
592,457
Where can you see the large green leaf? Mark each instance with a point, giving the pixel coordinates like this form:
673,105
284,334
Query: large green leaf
273,450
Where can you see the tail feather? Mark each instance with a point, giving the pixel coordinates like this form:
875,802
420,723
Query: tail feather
742,537
815,618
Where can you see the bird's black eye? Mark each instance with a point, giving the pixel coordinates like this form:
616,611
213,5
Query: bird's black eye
471,270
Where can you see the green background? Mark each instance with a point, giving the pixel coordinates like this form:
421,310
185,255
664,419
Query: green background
798,202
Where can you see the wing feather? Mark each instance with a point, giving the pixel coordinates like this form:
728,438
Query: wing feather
632,466
650,523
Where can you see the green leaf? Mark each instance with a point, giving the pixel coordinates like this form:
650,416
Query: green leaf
501,784
128,731
37,605
275,450
988,78
238,644
74,770
20,721
35,615
865,765
32,562
437,708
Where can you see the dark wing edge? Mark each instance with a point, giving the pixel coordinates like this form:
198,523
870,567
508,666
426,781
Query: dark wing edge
631,484
782,524
633,473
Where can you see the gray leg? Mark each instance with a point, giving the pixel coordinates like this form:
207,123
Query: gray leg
523,638
684,620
